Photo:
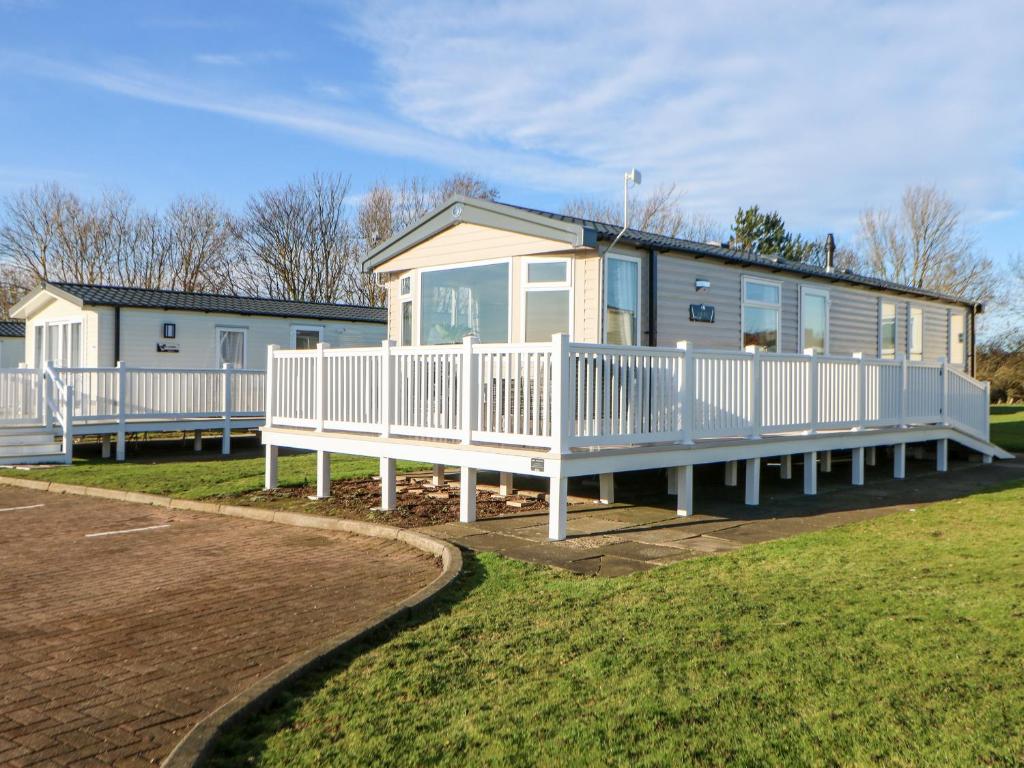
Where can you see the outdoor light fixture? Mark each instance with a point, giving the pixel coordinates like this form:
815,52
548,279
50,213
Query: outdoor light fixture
169,330
701,284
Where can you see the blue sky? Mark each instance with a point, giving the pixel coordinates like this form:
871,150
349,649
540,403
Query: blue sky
817,109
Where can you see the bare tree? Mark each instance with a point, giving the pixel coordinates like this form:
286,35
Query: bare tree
296,241
927,245
200,238
12,287
660,212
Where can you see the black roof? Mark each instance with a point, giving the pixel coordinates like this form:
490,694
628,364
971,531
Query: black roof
153,298
605,231
12,327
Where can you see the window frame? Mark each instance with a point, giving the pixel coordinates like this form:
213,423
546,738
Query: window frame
814,290
418,293
882,303
526,287
753,303
64,324
406,297
962,315
911,309
295,329
244,330
608,257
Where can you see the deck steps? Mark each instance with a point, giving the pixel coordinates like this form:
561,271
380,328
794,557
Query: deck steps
29,445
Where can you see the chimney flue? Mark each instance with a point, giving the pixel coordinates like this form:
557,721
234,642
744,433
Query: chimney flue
830,253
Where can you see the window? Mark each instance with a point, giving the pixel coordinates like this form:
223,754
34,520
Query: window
887,331
622,300
957,338
814,320
306,336
59,342
464,301
231,346
761,308
915,333
547,302
405,291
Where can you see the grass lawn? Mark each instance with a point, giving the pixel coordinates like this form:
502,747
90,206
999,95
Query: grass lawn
1008,427
899,640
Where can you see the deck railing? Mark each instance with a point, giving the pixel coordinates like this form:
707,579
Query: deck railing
563,395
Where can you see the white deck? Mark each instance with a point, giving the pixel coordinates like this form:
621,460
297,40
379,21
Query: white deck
565,409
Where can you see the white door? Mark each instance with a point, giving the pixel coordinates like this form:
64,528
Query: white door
814,320
957,339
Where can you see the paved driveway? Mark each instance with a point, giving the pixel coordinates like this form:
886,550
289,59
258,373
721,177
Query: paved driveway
123,625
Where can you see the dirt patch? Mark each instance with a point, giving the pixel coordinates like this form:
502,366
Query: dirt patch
419,502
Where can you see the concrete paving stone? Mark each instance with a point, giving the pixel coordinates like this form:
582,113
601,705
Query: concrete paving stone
635,550
511,522
709,545
637,515
578,524
612,566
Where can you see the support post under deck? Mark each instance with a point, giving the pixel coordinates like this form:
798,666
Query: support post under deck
505,484
857,472
899,461
437,476
684,491
942,455
105,446
558,521
607,488
786,467
387,484
731,474
323,475
270,468
826,461
752,486
811,473
871,456
467,494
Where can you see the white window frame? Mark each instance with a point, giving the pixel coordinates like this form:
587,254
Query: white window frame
244,330
406,297
64,324
895,336
815,290
744,303
911,309
418,291
639,293
320,329
561,285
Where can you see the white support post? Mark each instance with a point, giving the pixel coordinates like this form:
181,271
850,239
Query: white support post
861,391
467,381
899,461
225,443
606,482
812,391
684,491
752,486
558,518
122,408
986,458
69,422
387,395
826,462
786,467
321,386
197,440
944,373
437,476
904,405
270,467
323,475
268,406
811,473
857,471
388,495
467,494
755,393
731,474
505,484
105,447
871,456
942,455
560,412
685,391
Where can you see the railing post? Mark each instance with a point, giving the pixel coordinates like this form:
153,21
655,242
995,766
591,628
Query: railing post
386,386
685,391
468,390
560,411
225,441
47,373
755,392
812,391
321,386
861,391
944,402
69,421
903,389
122,408
268,391
986,406
44,412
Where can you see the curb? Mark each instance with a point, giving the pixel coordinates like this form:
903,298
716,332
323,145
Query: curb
196,746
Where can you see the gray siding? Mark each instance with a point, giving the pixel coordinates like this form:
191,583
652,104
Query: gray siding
853,322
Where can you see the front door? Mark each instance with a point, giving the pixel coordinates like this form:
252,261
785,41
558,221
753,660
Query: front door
814,320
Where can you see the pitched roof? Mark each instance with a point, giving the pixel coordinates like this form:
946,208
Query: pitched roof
13,328
153,298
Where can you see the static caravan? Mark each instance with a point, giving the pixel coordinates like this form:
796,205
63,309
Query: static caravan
527,342
92,326
12,343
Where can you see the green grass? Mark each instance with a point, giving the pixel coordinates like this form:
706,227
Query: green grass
183,476
899,640
1008,427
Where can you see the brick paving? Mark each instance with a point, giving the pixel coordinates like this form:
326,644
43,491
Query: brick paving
113,647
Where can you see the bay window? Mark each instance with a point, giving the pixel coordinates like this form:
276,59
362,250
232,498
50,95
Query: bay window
546,304
464,301
762,300
622,300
